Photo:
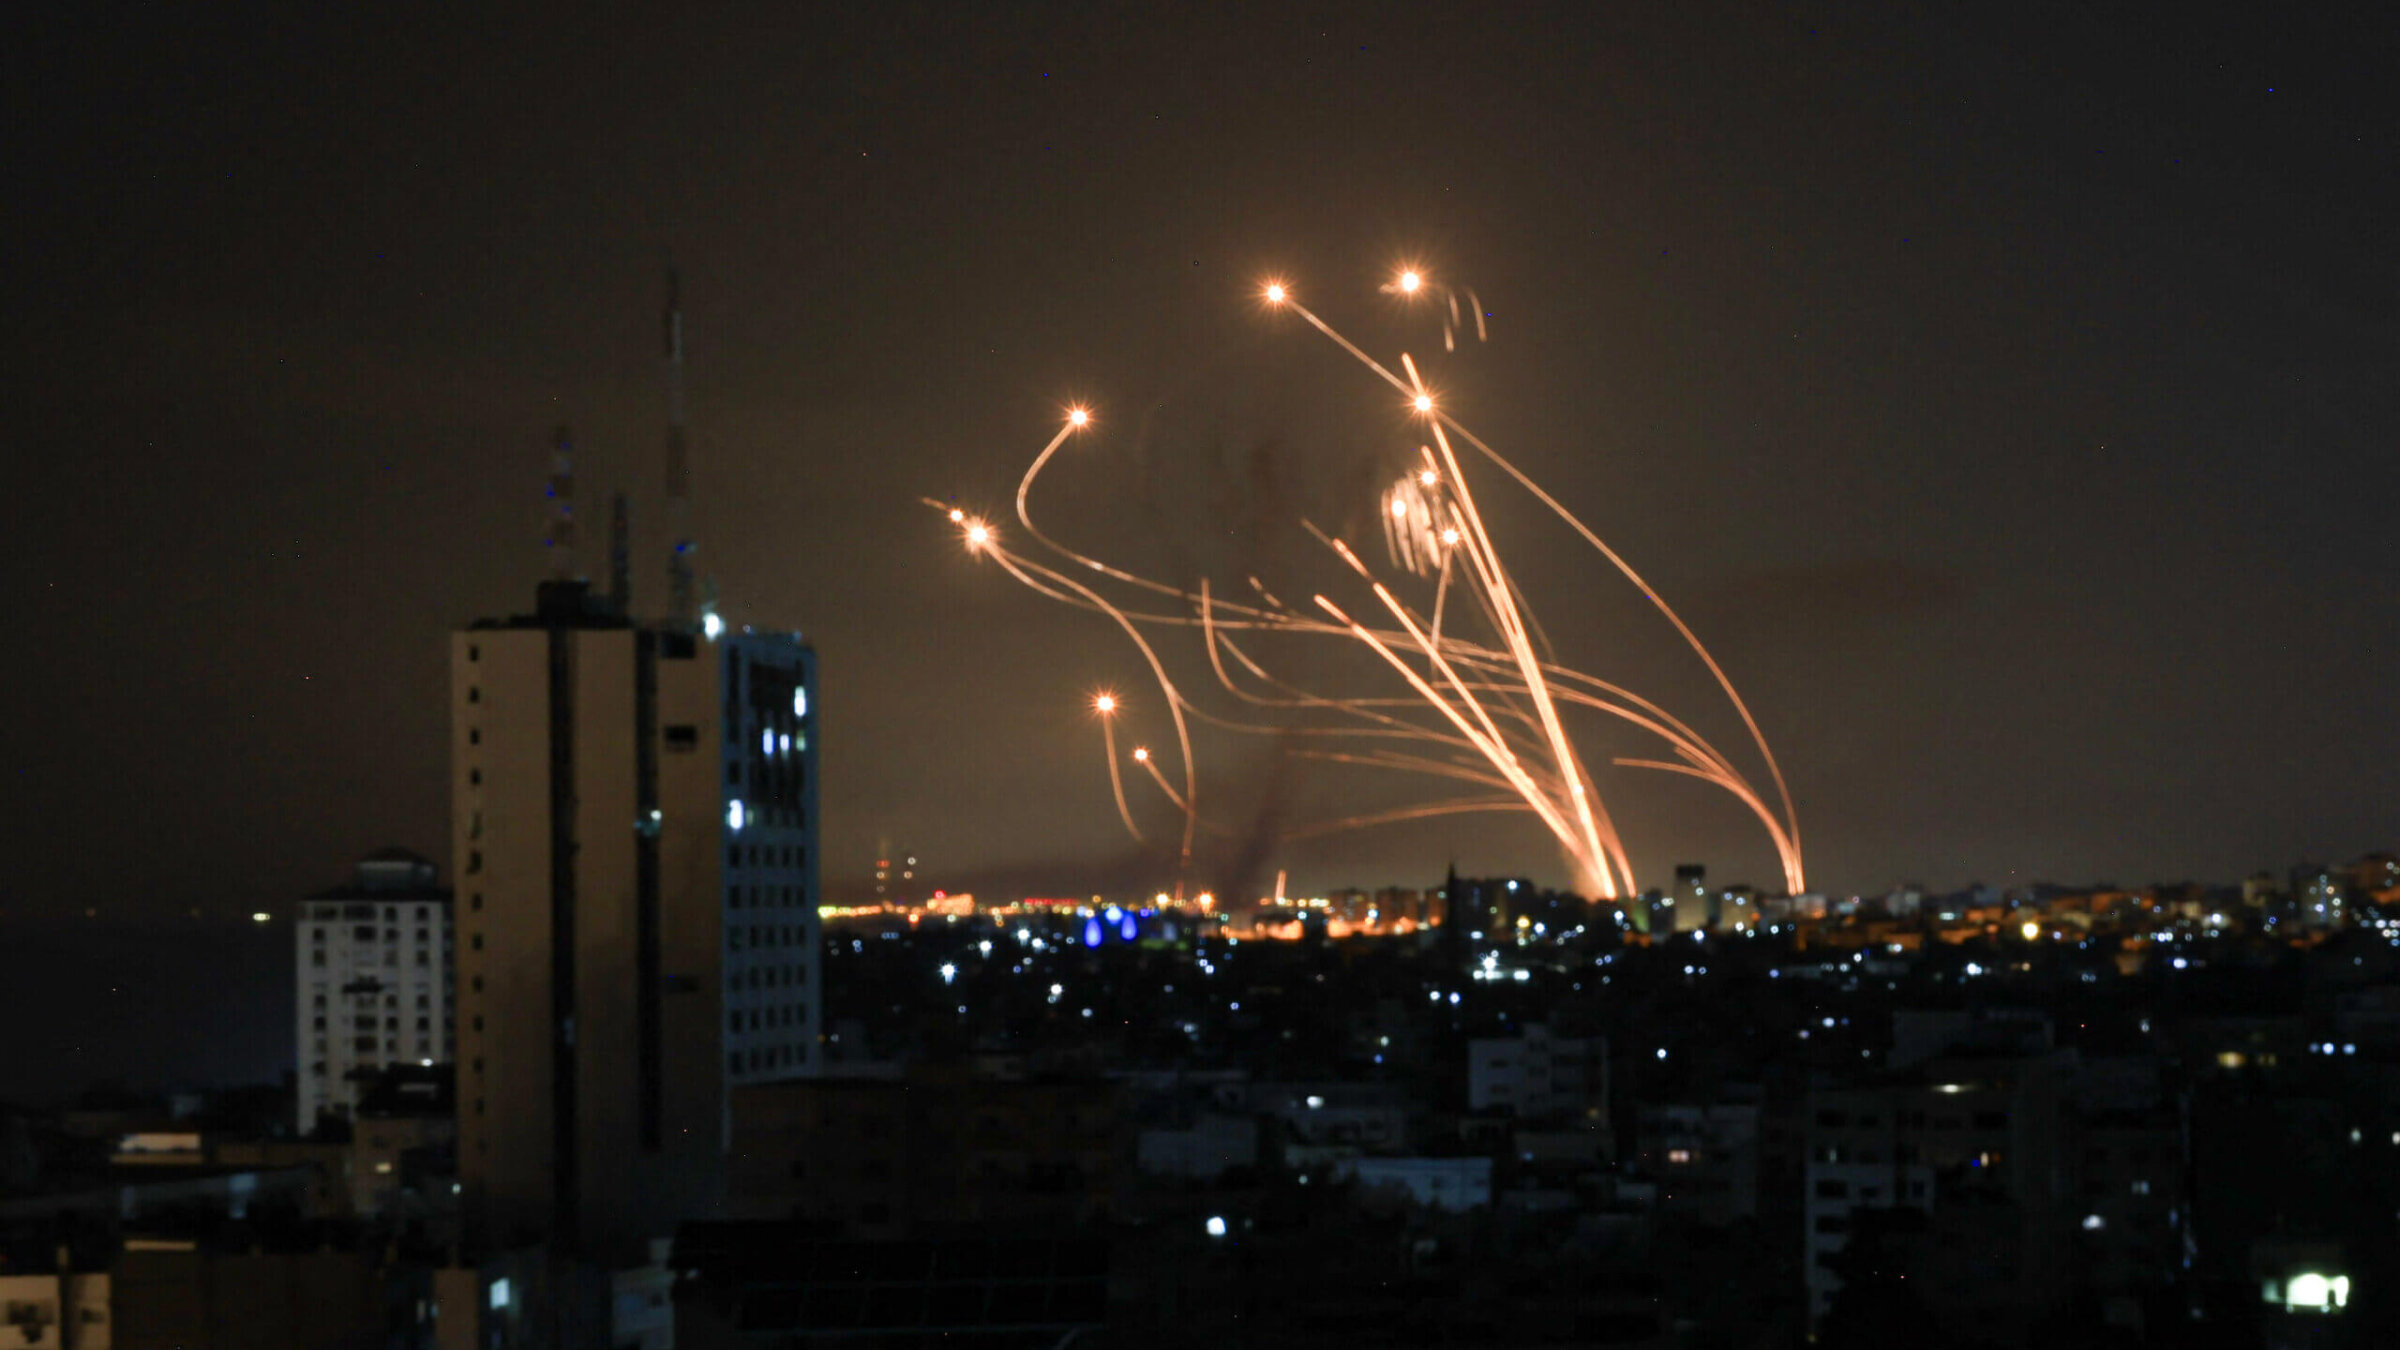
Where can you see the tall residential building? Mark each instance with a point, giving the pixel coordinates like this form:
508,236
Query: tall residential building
634,814
372,981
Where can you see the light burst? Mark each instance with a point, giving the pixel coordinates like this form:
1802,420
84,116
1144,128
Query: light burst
1484,705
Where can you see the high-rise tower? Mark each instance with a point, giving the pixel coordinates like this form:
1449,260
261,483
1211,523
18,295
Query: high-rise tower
634,825
634,818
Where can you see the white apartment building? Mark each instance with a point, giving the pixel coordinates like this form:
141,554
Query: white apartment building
1537,1075
372,981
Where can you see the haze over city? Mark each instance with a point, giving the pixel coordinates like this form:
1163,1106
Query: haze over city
1546,674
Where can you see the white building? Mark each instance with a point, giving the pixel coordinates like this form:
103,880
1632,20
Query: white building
372,981
1536,1075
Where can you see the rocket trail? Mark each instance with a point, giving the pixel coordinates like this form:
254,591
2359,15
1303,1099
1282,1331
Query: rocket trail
1487,710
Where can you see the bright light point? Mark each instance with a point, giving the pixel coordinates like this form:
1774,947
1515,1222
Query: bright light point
1449,536
2031,930
1106,703
957,516
1141,754
1077,417
1216,1225
261,917
1275,293
978,533
712,626
1399,509
1424,403
1410,281
736,814
1428,477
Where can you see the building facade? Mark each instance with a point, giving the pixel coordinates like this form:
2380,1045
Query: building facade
634,818
372,982
1538,1076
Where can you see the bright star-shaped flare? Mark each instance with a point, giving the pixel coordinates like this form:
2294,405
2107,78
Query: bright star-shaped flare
1106,703
1410,281
1424,403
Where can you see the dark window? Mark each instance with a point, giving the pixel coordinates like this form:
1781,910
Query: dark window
683,738
475,940
474,735
1991,1120
1833,1119
475,777
799,1170
475,900
1833,1190
474,693
474,653
733,772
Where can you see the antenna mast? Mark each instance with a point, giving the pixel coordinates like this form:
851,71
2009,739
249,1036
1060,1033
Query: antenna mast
561,539
620,554
682,611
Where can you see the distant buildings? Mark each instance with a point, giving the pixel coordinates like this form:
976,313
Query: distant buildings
371,982
885,1159
634,818
1690,906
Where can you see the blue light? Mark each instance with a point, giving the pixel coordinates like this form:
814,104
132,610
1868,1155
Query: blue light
1128,929
1091,932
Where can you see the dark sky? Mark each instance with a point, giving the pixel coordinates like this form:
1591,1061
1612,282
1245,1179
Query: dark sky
2008,395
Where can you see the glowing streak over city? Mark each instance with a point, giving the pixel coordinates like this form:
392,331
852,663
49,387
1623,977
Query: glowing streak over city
1495,702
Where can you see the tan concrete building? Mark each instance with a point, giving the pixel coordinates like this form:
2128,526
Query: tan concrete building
634,831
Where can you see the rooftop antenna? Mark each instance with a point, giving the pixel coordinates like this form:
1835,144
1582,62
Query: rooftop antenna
682,609
561,539
620,553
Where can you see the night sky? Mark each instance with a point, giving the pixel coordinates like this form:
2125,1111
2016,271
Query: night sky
2007,395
